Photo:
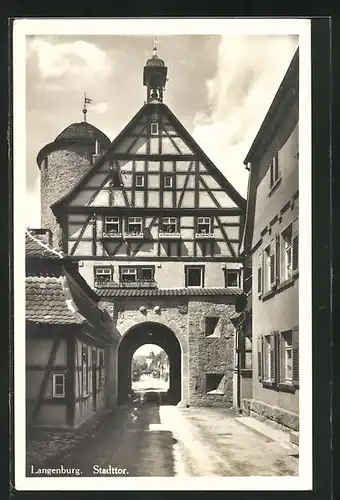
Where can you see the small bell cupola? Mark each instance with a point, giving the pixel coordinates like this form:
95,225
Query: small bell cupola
155,77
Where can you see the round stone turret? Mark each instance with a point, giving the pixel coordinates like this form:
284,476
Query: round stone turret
63,163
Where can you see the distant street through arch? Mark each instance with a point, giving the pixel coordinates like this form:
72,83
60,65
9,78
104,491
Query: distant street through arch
149,333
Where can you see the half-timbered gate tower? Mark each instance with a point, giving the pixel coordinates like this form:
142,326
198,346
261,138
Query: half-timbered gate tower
155,227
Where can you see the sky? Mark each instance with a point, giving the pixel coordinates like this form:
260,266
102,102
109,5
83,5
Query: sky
220,87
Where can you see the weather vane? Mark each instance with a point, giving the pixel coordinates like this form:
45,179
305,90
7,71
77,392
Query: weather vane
87,100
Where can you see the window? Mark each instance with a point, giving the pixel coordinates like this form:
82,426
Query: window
101,375
268,358
213,383
112,225
232,278
154,128
278,360
210,325
287,270
167,181
58,385
274,172
289,250
204,225
169,225
286,358
139,180
194,276
128,275
85,370
103,274
134,225
269,266
136,274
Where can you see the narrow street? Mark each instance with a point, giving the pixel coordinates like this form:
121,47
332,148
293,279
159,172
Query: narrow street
151,439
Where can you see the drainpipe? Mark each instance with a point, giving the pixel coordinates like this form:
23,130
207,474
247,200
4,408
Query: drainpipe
238,368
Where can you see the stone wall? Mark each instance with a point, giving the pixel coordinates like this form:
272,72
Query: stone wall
272,414
202,355
60,171
210,354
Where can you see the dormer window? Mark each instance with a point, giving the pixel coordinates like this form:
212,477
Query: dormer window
140,180
154,128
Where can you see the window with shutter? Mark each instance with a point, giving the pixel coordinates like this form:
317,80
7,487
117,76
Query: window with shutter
295,246
259,358
272,358
295,356
277,257
259,279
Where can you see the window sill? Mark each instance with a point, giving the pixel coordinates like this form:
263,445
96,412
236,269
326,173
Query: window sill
280,287
268,384
274,187
286,284
269,294
286,387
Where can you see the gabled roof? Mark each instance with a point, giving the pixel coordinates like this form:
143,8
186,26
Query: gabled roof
288,87
144,110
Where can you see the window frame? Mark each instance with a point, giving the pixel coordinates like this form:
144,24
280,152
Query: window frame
204,223
106,268
271,356
118,221
55,395
274,171
193,267
284,348
168,176
175,223
142,176
154,124
138,271
85,370
229,272
128,222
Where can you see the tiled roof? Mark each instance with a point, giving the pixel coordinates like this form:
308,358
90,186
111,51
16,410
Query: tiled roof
84,131
48,301
39,249
157,292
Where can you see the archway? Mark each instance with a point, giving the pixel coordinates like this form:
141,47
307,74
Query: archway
149,333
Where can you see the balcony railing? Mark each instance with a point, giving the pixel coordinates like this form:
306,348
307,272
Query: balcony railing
169,236
133,236
204,236
126,284
111,235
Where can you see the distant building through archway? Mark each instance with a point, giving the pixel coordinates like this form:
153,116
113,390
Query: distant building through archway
149,333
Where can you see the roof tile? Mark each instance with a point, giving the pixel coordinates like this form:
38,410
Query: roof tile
156,292
46,301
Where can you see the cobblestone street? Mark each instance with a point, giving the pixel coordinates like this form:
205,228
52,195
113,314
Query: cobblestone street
148,439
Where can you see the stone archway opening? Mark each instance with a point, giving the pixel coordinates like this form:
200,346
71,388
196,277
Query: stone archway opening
144,334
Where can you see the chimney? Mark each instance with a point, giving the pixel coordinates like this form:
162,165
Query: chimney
44,235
